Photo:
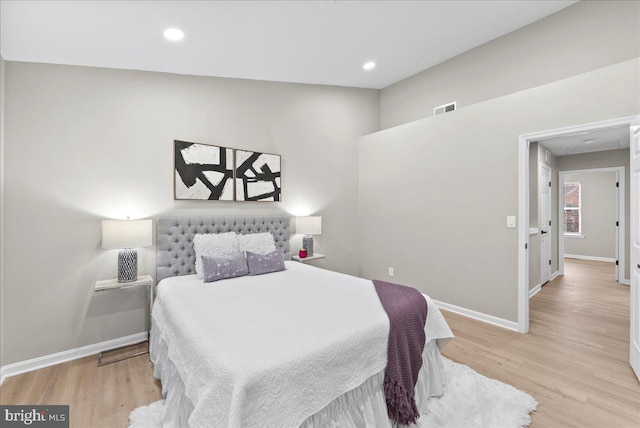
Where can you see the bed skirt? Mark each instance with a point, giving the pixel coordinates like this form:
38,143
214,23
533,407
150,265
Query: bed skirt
361,407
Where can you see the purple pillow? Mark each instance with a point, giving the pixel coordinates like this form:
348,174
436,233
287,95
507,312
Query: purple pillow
265,263
215,269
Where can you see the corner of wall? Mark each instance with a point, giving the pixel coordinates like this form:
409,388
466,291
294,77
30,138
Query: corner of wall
542,52
2,75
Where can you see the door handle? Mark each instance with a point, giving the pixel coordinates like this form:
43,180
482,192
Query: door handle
542,232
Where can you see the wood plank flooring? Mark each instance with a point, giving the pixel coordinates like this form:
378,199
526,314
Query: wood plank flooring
574,361
97,396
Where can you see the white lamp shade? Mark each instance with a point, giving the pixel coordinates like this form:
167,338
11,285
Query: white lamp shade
126,234
311,225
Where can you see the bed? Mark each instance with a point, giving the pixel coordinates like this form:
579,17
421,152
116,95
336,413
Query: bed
300,347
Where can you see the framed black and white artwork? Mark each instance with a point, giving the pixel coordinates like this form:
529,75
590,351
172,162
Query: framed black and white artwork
257,176
202,172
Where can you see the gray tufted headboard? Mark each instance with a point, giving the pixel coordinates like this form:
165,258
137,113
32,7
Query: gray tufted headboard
174,240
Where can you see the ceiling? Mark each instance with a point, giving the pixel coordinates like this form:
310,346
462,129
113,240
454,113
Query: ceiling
604,139
318,42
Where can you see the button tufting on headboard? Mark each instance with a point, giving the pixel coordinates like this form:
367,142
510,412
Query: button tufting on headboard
174,240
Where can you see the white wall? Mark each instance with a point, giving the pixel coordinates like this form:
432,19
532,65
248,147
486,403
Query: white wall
599,215
534,261
533,184
2,319
534,240
583,37
83,144
435,193
606,159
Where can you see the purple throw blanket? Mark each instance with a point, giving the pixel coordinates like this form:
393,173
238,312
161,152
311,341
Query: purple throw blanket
406,308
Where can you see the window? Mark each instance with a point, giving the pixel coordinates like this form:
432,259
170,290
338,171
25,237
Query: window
572,208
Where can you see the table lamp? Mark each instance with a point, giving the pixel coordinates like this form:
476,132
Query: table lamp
126,235
311,225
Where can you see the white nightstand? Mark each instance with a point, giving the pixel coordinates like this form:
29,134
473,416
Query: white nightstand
113,284
316,256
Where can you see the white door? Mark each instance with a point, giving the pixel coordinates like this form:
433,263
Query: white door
544,186
634,357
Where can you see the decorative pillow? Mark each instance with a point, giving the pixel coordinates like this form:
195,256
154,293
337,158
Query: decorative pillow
258,243
215,269
219,245
265,263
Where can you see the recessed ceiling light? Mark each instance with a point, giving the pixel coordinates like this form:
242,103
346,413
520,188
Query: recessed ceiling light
369,65
590,141
173,34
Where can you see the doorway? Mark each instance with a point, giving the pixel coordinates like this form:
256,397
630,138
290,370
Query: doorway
524,199
596,239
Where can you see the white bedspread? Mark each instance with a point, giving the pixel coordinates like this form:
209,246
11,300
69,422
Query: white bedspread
274,349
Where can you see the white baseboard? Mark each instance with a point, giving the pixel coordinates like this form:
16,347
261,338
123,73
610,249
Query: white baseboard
71,354
596,259
553,276
535,290
489,319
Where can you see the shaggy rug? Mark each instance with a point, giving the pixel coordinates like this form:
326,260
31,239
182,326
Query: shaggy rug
471,400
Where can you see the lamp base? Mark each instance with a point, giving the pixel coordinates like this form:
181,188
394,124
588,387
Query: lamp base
307,244
127,265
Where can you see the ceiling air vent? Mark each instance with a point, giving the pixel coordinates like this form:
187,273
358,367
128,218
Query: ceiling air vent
444,108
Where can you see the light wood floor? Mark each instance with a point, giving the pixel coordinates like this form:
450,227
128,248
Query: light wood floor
97,396
574,361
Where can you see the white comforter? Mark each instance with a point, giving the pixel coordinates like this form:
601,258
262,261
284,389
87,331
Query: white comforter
271,350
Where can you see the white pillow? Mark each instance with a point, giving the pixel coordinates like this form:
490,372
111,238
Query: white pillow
259,243
220,245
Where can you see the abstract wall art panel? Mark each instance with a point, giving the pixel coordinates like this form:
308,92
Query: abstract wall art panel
257,176
203,172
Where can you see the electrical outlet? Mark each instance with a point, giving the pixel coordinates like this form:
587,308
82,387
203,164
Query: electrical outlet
390,271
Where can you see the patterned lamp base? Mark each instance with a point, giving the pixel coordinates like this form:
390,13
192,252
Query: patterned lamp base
127,265
307,244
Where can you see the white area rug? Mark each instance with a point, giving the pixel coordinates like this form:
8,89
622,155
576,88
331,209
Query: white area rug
471,400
